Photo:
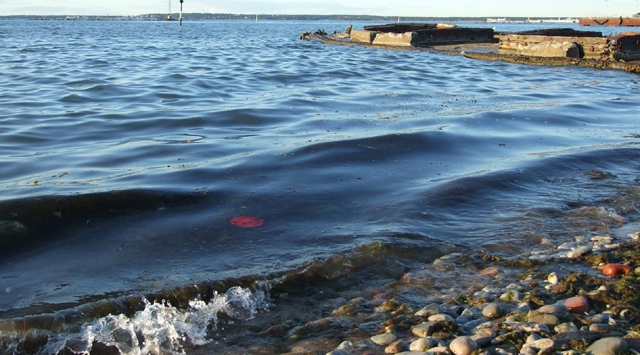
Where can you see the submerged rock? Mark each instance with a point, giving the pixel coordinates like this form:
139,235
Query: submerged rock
10,232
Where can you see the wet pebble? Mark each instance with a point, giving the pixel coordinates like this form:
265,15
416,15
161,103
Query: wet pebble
512,296
601,328
578,304
396,347
560,310
339,352
543,318
428,310
542,344
565,328
492,310
463,345
608,346
346,346
439,350
384,339
578,252
423,344
600,318
441,318
424,329
483,337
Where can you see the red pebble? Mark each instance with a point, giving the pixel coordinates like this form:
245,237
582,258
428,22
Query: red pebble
577,304
246,221
490,271
615,270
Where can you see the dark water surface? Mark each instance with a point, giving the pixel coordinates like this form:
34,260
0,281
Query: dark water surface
128,146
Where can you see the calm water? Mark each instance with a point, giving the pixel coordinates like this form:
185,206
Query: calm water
127,147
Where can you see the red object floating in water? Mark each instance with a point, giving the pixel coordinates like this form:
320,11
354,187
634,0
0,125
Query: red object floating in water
247,221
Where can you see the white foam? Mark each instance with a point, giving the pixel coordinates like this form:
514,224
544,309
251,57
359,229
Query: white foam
161,328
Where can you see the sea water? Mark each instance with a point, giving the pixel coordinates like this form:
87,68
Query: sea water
127,148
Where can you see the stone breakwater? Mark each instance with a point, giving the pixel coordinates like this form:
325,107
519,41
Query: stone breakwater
555,300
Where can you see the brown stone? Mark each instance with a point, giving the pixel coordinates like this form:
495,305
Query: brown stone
397,347
578,304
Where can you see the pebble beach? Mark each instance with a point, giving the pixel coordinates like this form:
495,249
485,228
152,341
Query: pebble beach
575,298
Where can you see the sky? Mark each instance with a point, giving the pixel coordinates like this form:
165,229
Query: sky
426,8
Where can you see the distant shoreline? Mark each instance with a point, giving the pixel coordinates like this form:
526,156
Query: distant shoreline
266,17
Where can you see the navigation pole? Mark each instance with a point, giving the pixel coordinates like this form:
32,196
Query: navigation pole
181,1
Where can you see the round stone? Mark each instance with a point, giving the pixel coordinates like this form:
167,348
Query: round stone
608,346
492,310
558,309
565,328
542,344
463,346
422,344
384,339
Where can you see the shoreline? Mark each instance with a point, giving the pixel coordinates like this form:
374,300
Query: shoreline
553,301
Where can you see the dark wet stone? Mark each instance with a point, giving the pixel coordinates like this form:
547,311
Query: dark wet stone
98,348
